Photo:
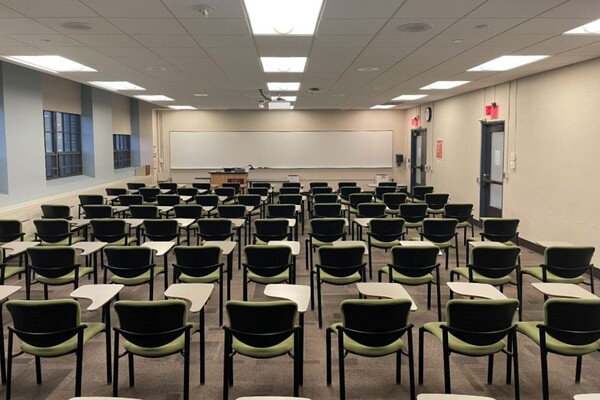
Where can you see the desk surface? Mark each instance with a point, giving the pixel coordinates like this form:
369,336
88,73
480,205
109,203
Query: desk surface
563,290
161,248
99,294
299,294
89,247
196,293
271,398
436,396
388,290
294,245
17,247
481,290
345,243
589,396
225,245
7,290
554,243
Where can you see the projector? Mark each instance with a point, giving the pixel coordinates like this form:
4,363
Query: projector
280,105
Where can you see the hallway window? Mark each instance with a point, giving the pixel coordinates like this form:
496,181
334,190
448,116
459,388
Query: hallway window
122,150
62,139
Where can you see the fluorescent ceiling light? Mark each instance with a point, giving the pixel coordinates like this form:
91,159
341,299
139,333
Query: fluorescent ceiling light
409,97
382,106
444,85
592,28
153,97
183,108
116,85
283,64
506,63
283,17
283,86
279,105
284,98
51,63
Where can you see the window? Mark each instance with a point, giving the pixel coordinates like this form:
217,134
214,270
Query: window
122,151
62,139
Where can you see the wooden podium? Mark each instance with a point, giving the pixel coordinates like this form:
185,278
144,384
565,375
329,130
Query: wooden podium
219,177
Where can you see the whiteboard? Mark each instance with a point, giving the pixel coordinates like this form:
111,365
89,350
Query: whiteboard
289,149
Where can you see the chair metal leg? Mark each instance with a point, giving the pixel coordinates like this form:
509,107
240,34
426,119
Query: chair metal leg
544,361
79,364
202,349
186,366
226,367
446,354
578,369
439,296
421,358
9,365
328,354
490,376
116,366
38,370
297,359
131,370
515,357
319,305
341,365
398,367
411,366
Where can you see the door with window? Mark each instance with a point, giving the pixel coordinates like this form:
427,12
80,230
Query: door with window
492,169
418,156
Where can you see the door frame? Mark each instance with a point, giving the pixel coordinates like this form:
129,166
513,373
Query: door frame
413,155
486,130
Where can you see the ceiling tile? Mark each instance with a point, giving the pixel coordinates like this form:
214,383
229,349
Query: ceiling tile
575,9
186,9
128,8
151,26
514,8
231,51
54,8
106,40
361,9
168,52
216,26
283,41
238,41
549,25
22,25
341,41
437,9
46,40
97,26
165,40
350,26
284,52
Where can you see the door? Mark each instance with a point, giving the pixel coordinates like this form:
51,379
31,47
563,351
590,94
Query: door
492,169
418,155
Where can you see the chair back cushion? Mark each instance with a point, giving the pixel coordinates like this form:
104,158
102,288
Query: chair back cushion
573,321
414,261
495,262
341,261
268,260
197,261
52,261
327,229
568,261
128,261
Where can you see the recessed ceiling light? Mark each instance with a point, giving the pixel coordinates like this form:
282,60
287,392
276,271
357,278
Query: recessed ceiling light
414,27
116,85
283,64
506,63
283,17
367,69
53,64
279,105
409,97
444,85
153,97
382,106
201,94
155,69
284,98
77,26
457,41
182,108
283,86
591,28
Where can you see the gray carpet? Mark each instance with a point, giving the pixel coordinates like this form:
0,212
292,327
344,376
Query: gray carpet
365,378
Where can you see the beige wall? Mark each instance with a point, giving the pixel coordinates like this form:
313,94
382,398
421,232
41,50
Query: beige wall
551,121
62,95
287,121
121,114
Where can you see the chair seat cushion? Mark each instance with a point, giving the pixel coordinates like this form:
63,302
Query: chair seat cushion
384,245
136,280
170,348
413,224
212,277
354,347
464,272
531,330
463,224
279,349
538,274
64,242
66,347
12,271
68,278
458,346
282,277
435,210
335,280
408,280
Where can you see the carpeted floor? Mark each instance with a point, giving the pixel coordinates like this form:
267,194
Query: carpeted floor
365,378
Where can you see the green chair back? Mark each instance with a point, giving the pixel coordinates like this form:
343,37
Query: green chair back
460,211
52,230
52,261
414,261
231,211
480,322
193,211
327,229
295,199
375,322
500,229
413,212
327,210
97,211
144,211
10,229
109,230
494,262
262,324
359,198
439,230
168,199
371,210
207,200
130,199
381,190
386,229
128,261
56,211
341,261
215,229
281,211
573,321
197,261
268,261
569,261
325,198
161,230
271,229
436,201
